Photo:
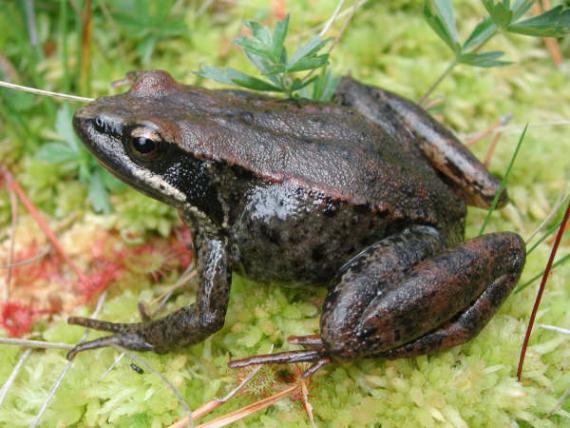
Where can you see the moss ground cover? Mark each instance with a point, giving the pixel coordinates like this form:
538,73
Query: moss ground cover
388,44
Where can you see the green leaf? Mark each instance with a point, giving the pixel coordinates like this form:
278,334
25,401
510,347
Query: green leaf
98,195
56,152
279,34
444,9
480,34
500,12
260,33
300,84
439,25
308,49
232,76
309,63
252,46
552,23
485,59
520,8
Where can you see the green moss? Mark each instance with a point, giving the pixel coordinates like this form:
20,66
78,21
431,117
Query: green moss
388,45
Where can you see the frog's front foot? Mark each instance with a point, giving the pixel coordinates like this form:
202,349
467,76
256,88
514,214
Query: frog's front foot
129,336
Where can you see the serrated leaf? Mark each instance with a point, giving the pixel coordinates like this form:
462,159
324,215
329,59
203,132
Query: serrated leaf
56,152
259,33
251,46
444,9
485,59
438,26
500,12
520,7
279,34
308,49
254,83
215,73
309,63
300,84
480,34
552,23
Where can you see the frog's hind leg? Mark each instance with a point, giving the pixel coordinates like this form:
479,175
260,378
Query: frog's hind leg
357,285
422,307
404,119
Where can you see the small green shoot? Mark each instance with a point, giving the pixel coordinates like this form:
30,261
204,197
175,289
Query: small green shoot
70,154
504,182
504,16
266,50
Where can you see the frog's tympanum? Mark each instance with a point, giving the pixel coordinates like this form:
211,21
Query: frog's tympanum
365,195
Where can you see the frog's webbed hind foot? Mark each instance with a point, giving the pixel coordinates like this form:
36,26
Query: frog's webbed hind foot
316,354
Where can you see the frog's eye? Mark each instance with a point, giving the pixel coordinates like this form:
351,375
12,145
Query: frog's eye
145,144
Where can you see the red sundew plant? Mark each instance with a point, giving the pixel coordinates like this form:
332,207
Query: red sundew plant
42,268
18,319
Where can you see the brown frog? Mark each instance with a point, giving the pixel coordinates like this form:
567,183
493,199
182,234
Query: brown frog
365,195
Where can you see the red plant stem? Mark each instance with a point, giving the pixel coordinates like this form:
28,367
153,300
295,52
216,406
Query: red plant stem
13,185
14,208
541,289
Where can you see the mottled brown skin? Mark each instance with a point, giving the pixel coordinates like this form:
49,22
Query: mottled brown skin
365,195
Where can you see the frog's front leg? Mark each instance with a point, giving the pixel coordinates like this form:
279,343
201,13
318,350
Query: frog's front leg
403,297
187,325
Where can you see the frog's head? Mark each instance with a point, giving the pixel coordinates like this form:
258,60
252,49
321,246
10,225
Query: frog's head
137,136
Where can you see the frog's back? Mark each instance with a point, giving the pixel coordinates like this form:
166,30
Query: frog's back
324,147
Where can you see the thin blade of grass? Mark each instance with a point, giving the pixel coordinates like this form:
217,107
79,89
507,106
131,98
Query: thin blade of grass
534,278
10,381
504,182
45,93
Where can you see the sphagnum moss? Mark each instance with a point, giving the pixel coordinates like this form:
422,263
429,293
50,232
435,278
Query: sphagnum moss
389,45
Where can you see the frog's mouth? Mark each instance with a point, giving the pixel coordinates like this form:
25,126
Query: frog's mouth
102,136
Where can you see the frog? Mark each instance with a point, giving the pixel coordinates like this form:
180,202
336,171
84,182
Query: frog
365,195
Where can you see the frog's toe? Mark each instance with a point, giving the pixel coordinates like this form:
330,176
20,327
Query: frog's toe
131,341
316,356
94,324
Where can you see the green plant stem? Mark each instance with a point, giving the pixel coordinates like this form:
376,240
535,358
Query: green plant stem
538,275
435,84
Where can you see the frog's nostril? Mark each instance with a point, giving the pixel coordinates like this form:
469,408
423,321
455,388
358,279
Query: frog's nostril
99,124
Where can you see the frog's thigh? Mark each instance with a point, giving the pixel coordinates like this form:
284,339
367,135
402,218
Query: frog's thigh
402,118
438,303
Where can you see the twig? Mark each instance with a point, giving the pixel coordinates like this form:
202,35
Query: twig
541,289
66,368
332,19
248,410
496,126
41,254
42,223
43,92
554,328
214,404
8,384
39,344
550,43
